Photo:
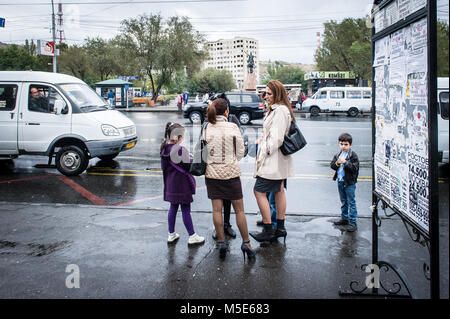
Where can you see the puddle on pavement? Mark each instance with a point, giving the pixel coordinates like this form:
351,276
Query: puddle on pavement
348,242
31,249
322,225
42,250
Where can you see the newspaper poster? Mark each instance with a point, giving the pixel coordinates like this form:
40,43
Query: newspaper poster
418,188
404,8
381,53
392,13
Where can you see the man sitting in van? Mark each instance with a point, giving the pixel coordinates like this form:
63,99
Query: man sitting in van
38,102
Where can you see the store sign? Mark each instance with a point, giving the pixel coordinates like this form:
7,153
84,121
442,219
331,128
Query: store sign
329,75
45,47
126,78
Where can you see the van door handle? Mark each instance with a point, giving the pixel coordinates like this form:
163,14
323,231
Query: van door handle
33,123
12,115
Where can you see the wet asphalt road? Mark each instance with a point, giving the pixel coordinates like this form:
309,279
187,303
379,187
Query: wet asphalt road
134,178
123,253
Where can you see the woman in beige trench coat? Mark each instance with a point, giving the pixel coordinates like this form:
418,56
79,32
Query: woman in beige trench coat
272,168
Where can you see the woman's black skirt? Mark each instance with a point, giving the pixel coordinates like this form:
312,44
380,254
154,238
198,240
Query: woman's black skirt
230,189
264,185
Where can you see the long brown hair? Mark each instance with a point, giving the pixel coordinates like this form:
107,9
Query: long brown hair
217,107
280,96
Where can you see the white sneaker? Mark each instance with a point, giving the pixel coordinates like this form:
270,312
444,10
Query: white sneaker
195,239
173,237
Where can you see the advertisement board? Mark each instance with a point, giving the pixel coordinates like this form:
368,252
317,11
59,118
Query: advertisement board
401,121
45,47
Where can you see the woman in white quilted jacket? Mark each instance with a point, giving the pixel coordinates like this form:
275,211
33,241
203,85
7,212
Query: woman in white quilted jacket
272,168
225,147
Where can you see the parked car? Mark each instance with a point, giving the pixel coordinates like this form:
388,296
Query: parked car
245,105
59,116
352,100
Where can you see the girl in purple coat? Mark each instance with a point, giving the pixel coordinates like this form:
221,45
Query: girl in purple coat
179,185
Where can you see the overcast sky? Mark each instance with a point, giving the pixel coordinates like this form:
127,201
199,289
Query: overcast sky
286,29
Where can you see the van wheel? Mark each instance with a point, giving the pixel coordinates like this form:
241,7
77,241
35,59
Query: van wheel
244,118
71,160
353,112
314,110
108,157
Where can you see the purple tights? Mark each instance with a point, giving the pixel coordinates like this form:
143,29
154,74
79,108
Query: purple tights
187,220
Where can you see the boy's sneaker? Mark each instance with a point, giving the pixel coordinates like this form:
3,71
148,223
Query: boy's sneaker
173,237
341,222
351,227
195,239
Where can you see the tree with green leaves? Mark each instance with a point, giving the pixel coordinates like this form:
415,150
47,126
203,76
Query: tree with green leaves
346,47
22,58
442,49
210,80
288,75
103,56
75,61
162,48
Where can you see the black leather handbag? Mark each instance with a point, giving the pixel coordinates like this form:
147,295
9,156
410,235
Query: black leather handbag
294,141
198,166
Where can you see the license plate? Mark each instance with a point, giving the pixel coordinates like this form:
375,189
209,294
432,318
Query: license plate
130,145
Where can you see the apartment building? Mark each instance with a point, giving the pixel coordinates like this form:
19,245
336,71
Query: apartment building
232,55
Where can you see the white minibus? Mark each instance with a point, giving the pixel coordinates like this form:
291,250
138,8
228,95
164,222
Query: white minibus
59,116
352,100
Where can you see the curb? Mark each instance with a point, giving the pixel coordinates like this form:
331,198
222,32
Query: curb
158,209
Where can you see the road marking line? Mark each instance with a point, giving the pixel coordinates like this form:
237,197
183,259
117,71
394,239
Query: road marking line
148,198
100,169
24,179
137,200
83,191
118,174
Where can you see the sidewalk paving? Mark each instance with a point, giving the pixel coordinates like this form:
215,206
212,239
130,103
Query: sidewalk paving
123,253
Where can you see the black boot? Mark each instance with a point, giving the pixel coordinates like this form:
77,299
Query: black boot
228,230
266,235
280,231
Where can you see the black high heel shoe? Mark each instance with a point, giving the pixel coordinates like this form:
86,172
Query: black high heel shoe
280,231
222,249
250,253
267,234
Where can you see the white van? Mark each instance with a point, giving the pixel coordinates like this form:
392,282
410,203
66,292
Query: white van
353,100
442,95
59,116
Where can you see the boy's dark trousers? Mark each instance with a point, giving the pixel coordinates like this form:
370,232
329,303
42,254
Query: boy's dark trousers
348,201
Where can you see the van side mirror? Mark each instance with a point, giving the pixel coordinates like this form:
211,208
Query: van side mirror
60,107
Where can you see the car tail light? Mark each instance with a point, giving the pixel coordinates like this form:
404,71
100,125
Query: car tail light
261,105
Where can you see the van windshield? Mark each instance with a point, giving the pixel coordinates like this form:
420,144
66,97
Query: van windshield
84,97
